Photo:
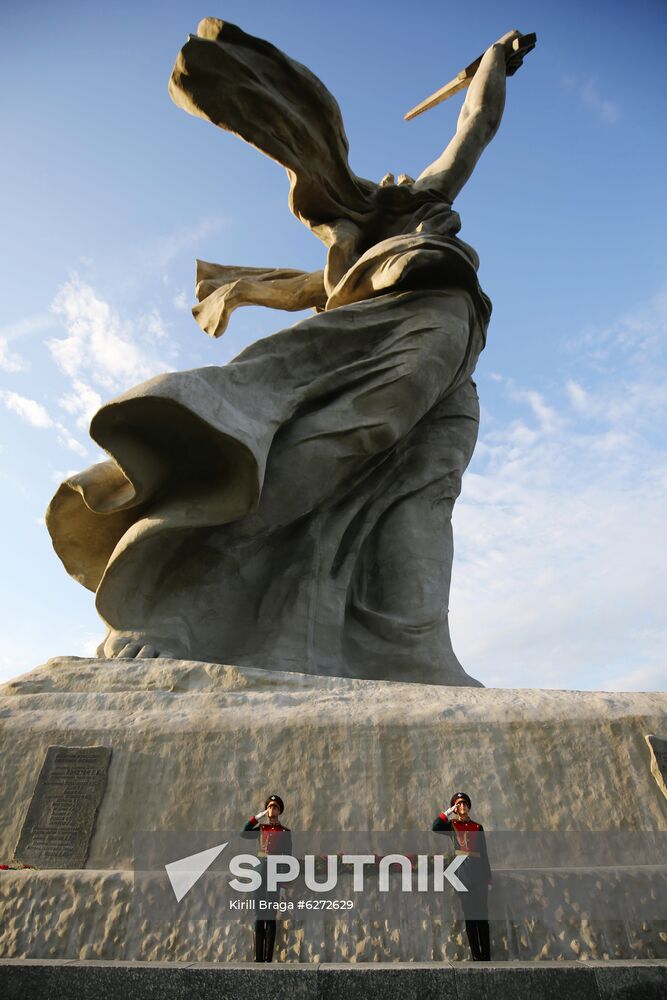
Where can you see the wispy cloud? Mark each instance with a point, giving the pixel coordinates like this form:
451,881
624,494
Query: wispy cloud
82,402
29,410
69,441
636,338
60,475
546,416
26,327
87,642
146,262
160,252
10,361
587,90
101,348
559,575
36,415
156,331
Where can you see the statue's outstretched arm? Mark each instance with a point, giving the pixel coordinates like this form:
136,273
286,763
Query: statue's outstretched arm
478,122
223,288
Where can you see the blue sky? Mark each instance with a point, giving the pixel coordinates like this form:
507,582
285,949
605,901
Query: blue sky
109,192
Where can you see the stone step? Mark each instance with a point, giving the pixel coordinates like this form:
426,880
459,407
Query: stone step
28,979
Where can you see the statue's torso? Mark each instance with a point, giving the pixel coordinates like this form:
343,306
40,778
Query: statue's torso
408,240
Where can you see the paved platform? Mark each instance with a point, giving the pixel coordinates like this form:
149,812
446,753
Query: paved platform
34,979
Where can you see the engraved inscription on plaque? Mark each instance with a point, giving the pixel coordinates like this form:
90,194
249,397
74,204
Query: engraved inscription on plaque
658,748
59,823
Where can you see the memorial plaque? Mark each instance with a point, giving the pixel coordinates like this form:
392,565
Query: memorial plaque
59,824
658,748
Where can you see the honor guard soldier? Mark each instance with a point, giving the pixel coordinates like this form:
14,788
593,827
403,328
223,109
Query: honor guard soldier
273,838
475,873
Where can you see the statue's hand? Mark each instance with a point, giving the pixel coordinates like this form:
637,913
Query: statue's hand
515,47
507,39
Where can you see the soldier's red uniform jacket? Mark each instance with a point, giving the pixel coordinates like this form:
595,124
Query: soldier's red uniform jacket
274,838
468,839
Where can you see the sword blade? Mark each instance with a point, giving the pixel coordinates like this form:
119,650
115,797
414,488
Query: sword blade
521,46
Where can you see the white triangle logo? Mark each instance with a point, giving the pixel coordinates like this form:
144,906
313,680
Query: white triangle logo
186,871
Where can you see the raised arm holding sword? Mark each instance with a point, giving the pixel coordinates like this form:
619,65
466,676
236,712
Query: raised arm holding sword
481,112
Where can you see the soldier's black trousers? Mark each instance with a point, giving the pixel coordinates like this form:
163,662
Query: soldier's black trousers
265,937
479,939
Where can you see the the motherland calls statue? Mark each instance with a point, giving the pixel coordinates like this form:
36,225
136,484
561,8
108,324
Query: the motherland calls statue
292,509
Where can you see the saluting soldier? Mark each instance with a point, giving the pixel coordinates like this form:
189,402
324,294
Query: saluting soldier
273,838
475,873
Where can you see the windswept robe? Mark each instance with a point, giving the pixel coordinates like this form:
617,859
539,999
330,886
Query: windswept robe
292,509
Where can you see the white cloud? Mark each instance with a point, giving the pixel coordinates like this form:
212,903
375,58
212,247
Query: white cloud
546,416
69,441
10,361
36,415
29,410
181,301
59,476
163,250
154,325
82,402
37,323
559,576
578,395
587,90
144,264
635,339
101,347
87,642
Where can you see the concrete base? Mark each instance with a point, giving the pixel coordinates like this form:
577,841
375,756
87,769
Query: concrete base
197,746
34,980
104,916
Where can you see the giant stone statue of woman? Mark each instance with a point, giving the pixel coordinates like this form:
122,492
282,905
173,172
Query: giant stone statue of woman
292,509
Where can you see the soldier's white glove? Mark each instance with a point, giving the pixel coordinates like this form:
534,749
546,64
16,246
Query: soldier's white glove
451,811
263,813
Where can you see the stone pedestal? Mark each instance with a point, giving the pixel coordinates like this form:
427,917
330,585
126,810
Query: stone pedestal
196,747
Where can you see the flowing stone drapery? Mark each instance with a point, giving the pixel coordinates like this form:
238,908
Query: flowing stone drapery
292,509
